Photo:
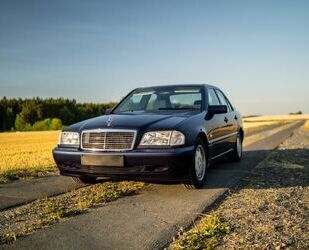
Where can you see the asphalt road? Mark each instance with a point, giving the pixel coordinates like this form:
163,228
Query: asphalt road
20,192
150,219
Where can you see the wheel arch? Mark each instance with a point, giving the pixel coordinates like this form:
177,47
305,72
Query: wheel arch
241,132
203,136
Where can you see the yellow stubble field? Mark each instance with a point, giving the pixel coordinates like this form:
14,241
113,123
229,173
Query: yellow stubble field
24,154
306,125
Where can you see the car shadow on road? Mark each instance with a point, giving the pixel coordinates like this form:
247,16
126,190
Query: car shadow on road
285,168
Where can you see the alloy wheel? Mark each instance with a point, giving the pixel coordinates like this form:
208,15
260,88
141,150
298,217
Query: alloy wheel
200,162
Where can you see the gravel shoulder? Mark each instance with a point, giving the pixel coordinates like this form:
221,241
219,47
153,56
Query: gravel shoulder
268,209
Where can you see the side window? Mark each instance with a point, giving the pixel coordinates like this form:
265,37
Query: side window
223,100
212,97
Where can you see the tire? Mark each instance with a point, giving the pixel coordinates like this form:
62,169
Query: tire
197,172
238,150
84,180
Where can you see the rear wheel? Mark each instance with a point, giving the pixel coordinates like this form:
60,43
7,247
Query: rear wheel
237,152
197,172
84,180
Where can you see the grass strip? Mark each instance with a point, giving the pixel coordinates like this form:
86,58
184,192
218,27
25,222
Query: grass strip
41,213
10,175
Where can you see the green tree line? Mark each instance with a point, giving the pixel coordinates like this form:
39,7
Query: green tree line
45,114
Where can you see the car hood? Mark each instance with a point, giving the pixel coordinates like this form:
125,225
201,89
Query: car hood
133,121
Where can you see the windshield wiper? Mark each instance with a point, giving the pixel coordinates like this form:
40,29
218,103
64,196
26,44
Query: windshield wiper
131,110
177,108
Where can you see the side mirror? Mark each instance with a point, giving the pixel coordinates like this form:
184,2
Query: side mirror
108,111
215,109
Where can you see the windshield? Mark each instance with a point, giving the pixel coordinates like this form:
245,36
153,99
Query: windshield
162,98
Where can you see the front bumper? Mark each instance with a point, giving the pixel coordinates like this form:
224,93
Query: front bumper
155,164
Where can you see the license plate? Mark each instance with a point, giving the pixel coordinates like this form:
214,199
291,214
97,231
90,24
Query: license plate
102,160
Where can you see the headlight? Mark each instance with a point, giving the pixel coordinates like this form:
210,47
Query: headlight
70,139
163,138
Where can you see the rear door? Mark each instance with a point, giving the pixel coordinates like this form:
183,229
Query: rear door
230,128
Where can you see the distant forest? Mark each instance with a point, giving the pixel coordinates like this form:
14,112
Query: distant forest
45,114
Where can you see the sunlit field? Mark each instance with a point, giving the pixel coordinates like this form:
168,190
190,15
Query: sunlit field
257,124
251,123
25,154
276,118
306,125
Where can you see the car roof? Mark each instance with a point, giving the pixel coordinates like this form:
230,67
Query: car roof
179,85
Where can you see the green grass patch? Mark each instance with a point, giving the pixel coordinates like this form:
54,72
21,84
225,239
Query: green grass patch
10,175
8,237
205,235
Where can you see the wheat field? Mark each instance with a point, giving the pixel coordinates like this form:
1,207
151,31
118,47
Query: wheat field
252,125
25,154
306,125
276,118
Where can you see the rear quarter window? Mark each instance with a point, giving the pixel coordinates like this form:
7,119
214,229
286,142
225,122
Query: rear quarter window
224,100
212,97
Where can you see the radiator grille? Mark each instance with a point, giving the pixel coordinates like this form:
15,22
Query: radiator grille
108,140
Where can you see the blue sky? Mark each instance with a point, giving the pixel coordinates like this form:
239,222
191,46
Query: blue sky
97,51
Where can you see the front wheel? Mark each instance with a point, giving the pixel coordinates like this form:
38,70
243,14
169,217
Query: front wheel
197,172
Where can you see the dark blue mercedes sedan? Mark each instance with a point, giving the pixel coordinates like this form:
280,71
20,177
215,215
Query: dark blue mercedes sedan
162,133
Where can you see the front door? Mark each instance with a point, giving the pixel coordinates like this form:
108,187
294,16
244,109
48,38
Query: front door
218,129
230,127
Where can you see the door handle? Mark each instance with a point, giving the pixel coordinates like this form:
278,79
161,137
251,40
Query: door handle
226,120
